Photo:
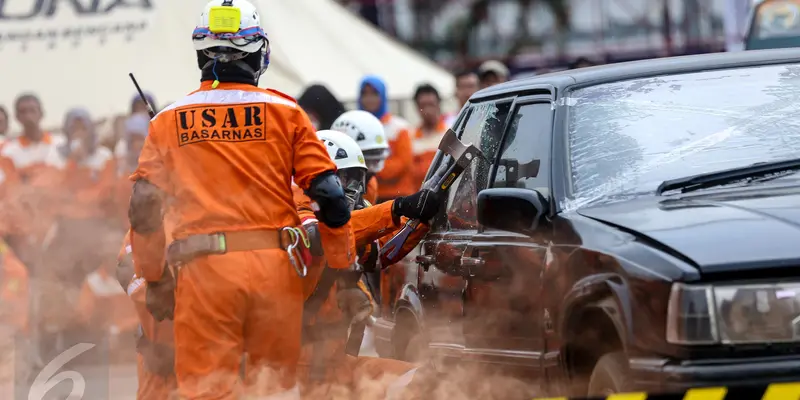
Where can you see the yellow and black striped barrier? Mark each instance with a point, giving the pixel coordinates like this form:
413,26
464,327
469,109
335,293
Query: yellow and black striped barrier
773,391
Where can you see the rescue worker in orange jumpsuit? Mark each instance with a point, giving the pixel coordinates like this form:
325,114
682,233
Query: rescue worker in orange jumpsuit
394,179
325,368
367,130
224,156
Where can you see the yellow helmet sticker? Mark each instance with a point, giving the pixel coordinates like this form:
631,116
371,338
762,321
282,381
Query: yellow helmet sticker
224,19
379,139
361,159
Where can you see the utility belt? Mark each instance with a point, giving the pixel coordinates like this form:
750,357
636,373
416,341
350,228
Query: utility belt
159,358
291,239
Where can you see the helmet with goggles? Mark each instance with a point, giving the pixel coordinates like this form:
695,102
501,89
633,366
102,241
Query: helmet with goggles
350,165
229,31
367,130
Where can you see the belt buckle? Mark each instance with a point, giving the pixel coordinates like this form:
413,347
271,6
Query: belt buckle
297,262
219,243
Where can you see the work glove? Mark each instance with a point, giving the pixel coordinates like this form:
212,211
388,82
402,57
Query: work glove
160,296
158,358
354,303
422,205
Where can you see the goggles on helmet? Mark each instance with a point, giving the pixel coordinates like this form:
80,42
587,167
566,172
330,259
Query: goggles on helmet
241,38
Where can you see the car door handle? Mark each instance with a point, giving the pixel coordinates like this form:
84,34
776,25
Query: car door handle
424,260
472,262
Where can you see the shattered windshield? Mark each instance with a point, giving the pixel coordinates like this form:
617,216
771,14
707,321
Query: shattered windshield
625,138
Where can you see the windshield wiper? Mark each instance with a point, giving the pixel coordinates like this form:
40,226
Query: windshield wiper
729,176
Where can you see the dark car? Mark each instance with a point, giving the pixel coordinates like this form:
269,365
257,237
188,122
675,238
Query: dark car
632,227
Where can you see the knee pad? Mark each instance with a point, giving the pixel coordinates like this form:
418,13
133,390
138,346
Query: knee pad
332,206
145,213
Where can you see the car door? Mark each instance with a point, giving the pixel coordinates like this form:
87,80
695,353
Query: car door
440,253
504,319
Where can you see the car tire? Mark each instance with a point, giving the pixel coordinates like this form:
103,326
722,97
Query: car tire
410,343
417,348
610,375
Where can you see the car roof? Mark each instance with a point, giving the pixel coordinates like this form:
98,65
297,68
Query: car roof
643,69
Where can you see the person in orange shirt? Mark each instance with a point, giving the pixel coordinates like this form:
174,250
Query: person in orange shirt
324,366
224,157
27,152
367,130
394,179
430,131
22,158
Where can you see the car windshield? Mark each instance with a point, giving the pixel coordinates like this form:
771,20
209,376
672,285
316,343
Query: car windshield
627,137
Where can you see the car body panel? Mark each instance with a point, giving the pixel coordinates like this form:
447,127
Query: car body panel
700,227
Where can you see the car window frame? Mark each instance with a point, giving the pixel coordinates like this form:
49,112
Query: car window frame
511,100
519,103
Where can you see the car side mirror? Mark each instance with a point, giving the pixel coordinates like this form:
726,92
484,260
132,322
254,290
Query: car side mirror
511,209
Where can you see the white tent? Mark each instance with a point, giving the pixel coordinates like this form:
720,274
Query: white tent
81,57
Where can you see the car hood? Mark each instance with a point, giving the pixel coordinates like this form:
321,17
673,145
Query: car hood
719,232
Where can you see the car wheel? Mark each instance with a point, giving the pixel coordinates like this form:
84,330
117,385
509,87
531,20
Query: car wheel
410,343
417,348
610,375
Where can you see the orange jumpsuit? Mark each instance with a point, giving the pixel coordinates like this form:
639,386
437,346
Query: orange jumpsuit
425,146
371,194
365,377
157,335
228,167
395,180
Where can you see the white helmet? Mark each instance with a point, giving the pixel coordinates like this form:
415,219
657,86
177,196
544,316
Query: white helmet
349,160
229,30
343,150
367,130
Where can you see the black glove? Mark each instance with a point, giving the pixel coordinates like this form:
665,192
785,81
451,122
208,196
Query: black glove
422,205
160,296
